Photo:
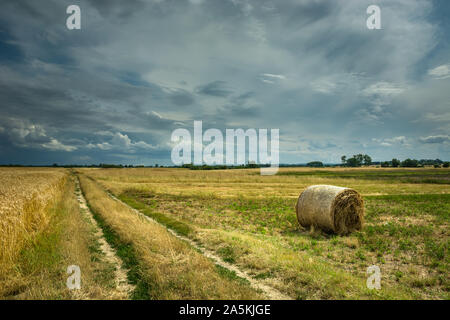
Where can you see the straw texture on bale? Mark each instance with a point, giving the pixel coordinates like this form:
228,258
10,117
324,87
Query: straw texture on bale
330,208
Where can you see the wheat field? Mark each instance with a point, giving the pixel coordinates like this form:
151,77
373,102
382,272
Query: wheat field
25,197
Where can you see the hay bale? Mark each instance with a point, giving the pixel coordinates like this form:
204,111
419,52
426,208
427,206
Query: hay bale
330,208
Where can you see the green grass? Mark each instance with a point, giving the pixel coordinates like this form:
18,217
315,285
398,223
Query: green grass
228,254
265,216
230,275
418,205
43,255
44,252
172,223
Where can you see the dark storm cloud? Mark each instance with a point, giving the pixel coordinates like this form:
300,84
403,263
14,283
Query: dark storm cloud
241,111
216,89
9,51
113,9
137,70
182,98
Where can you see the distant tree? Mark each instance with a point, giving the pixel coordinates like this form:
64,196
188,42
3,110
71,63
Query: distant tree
430,162
315,164
357,160
395,163
353,162
360,158
367,160
410,163
251,164
106,165
385,164
446,164
55,164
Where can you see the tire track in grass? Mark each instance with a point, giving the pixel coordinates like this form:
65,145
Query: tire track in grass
269,292
123,287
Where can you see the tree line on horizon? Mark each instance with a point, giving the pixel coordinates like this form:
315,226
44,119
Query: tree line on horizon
359,160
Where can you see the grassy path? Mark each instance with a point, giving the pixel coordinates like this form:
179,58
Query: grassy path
122,287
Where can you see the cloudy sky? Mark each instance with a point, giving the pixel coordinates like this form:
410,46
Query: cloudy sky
115,90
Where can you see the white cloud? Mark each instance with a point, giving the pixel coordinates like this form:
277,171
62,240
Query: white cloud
25,134
55,145
104,133
121,142
324,86
383,89
157,114
389,142
441,72
444,117
435,139
271,78
400,139
271,75
101,146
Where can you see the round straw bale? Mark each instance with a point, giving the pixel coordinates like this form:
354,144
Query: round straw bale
330,208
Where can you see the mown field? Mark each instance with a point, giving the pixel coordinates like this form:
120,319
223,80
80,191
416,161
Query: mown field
249,221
